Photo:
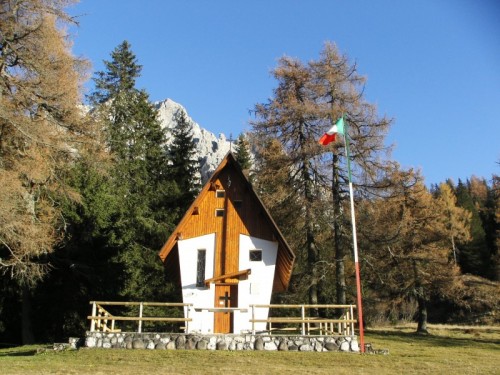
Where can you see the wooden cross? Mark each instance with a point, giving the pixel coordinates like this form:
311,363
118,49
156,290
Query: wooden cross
226,298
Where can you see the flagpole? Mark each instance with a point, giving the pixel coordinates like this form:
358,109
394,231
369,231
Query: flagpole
355,245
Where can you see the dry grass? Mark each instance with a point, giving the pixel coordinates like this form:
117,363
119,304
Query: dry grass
457,349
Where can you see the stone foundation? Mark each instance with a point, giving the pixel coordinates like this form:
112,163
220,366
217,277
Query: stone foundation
177,341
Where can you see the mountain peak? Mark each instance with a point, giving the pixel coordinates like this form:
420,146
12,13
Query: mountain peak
210,150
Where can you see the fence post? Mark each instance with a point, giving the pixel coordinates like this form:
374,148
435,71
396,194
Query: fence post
303,313
94,312
253,319
347,326
140,316
352,316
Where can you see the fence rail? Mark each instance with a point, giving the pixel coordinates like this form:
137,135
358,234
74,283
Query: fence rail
344,325
101,317
102,320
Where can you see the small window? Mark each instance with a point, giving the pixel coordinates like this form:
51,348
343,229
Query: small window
255,255
200,268
219,212
238,204
220,193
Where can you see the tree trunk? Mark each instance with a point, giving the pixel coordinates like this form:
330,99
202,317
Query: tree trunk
312,250
340,272
421,301
314,291
454,249
312,259
311,265
27,329
422,315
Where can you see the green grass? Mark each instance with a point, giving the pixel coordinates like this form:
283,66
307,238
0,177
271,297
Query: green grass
447,349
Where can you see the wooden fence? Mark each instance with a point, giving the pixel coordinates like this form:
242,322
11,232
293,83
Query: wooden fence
102,320
301,321
306,324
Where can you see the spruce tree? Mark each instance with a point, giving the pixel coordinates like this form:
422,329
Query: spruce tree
140,173
495,197
483,196
119,76
474,254
184,168
83,269
243,152
123,215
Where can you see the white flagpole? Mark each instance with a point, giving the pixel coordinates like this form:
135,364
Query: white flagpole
355,244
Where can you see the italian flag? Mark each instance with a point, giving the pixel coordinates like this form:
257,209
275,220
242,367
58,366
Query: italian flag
329,136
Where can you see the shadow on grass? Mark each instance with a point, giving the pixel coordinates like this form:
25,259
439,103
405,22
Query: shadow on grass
19,353
429,339
24,351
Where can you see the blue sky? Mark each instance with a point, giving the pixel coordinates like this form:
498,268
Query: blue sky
432,65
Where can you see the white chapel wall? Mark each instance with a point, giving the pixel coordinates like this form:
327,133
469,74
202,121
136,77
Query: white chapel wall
203,321
258,287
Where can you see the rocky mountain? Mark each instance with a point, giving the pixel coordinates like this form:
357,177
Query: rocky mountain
210,149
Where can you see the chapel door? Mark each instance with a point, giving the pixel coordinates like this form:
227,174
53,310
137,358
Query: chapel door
226,295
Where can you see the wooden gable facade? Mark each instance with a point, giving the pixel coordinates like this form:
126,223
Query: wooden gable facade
228,251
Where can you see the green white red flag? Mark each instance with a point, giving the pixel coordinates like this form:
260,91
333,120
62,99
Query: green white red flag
330,135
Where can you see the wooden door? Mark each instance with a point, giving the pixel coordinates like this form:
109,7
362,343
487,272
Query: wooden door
225,296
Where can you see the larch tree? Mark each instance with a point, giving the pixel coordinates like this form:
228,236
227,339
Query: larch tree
272,183
42,132
308,100
338,91
456,220
286,117
407,240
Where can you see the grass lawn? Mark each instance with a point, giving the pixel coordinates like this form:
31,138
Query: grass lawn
447,349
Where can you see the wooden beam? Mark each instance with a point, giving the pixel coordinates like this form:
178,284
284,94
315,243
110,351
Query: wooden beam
230,275
144,318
